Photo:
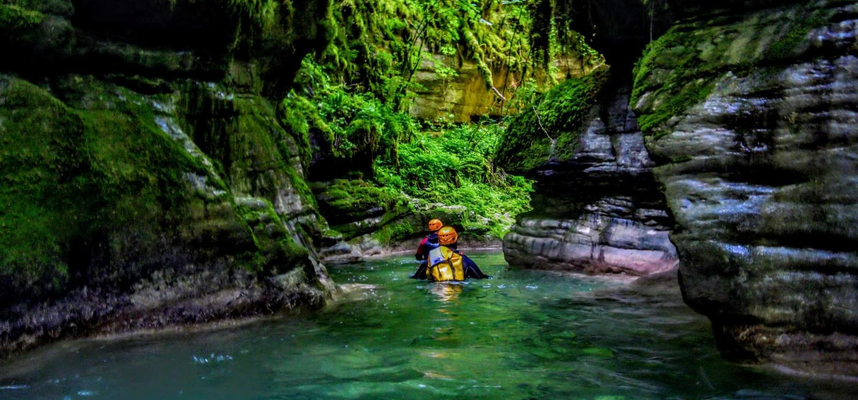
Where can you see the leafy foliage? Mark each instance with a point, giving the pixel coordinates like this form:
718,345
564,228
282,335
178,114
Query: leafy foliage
550,122
455,167
347,105
352,128
378,45
14,16
375,155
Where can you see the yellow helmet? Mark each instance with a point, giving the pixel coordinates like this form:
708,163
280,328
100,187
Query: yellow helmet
447,236
435,225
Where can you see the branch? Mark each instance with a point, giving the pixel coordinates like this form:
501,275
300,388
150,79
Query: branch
498,93
539,120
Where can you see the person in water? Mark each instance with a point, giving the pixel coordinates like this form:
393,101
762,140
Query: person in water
429,242
448,238
426,245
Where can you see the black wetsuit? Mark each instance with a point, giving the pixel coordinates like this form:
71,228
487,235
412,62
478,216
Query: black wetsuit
471,268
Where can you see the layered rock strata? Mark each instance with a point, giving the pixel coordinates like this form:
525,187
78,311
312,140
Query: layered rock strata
759,168
598,211
146,181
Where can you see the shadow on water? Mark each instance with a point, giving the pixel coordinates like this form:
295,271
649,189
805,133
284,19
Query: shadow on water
521,335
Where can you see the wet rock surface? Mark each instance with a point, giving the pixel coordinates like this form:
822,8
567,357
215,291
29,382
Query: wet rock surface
148,171
598,211
760,175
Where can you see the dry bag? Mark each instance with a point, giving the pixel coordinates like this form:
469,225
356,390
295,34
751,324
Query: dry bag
445,265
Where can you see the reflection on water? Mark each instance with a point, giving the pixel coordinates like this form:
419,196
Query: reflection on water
521,335
447,291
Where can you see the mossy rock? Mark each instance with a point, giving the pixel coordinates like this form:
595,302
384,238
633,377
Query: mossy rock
278,252
342,200
101,189
598,352
559,116
681,68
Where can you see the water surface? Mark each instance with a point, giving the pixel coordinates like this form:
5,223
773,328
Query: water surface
520,335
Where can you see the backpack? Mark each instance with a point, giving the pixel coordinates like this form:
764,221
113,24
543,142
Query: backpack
445,265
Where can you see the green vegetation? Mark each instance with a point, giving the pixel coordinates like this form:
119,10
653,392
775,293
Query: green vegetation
346,200
97,173
109,183
347,111
377,45
14,16
688,84
456,167
796,34
33,164
72,176
375,158
552,121
276,247
353,128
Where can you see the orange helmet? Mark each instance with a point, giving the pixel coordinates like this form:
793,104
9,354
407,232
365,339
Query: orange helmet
447,236
435,225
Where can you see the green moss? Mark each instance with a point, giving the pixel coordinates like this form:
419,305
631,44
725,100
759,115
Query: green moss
692,94
352,130
690,79
395,231
242,136
298,115
97,186
71,175
561,112
260,149
14,17
378,45
40,153
277,252
349,200
681,160
796,34
456,168
680,69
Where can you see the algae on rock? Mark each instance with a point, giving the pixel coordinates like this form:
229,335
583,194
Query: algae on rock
753,125
146,180
548,130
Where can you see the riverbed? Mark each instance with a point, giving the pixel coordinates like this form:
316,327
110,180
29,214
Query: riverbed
523,334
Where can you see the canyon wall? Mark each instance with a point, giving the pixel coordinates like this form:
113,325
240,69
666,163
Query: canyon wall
596,206
462,96
748,114
146,180
752,119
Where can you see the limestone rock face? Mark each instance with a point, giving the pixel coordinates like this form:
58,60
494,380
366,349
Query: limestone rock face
759,169
598,211
146,180
462,96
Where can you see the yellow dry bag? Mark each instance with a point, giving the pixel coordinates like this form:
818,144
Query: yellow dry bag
445,265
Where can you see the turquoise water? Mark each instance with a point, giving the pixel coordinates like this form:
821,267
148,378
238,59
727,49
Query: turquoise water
520,335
